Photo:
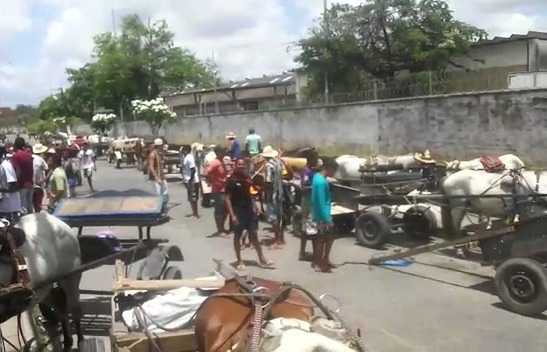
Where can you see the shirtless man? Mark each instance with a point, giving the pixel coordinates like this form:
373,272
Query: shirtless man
155,169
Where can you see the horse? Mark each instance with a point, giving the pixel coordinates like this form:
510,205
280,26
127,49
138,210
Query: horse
51,250
222,322
511,186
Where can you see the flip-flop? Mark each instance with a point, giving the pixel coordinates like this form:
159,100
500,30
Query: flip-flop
267,265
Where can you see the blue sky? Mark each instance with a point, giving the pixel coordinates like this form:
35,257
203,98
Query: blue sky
248,37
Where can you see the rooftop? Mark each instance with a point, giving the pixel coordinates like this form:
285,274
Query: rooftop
513,37
264,81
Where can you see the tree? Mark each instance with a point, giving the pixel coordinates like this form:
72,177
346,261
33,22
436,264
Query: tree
380,38
50,107
154,111
137,64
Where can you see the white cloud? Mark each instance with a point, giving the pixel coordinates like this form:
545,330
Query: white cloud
248,37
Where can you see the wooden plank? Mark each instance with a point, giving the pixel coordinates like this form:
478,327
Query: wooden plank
180,341
445,244
163,285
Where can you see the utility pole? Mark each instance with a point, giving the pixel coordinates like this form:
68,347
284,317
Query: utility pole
113,23
327,34
216,88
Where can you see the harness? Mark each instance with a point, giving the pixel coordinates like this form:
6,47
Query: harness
17,295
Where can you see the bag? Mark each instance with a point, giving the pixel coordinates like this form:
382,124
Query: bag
310,227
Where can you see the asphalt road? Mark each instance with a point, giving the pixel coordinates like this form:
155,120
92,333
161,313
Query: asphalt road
439,303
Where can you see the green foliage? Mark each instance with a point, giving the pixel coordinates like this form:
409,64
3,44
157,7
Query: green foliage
380,38
137,64
41,126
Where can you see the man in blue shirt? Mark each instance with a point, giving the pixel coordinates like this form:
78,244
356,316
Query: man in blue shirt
306,177
235,149
321,215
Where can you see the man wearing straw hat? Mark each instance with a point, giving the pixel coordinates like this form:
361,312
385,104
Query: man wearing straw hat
235,150
274,193
40,171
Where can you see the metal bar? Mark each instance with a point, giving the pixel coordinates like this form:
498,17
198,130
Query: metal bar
445,244
370,199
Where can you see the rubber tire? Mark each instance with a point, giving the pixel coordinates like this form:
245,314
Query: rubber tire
92,345
429,227
539,304
383,230
345,225
171,273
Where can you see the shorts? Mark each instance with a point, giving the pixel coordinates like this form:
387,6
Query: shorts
273,212
247,220
219,206
193,191
88,173
72,182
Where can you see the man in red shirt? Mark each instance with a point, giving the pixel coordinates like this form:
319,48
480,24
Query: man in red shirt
216,173
23,165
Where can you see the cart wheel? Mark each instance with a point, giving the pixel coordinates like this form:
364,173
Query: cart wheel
419,222
297,223
373,229
521,284
92,345
172,273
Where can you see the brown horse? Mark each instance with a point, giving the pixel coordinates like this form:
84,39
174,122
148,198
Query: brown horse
223,321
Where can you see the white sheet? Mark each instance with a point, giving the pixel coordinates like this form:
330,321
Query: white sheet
171,310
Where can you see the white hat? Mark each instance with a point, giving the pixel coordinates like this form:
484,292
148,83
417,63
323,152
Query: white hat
231,135
158,141
269,152
39,148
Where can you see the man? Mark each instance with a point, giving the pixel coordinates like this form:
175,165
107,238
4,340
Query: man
10,201
155,170
274,193
243,213
216,173
235,150
190,177
58,183
88,164
306,177
24,168
253,143
321,214
40,171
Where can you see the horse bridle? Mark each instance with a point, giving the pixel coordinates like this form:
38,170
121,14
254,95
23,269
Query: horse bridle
18,263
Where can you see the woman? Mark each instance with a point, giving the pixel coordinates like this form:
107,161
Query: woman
306,177
321,216
243,213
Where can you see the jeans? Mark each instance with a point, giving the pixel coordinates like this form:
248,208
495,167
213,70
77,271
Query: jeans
162,191
25,194
220,207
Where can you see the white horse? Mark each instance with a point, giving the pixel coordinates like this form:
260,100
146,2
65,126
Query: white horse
476,183
348,167
511,162
51,249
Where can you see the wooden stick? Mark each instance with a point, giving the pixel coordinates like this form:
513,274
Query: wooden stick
445,244
164,285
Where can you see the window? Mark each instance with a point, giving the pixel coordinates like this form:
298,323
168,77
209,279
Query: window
250,105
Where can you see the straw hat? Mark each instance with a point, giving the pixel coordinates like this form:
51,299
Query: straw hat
231,135
424,157
269,152
158,141
39,148
51,151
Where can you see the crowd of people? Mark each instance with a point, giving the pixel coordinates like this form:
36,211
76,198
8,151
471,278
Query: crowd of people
31,174
236,191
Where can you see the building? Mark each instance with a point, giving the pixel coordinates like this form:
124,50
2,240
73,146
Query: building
490,62
251,94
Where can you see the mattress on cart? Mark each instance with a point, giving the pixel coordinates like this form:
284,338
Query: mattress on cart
111,205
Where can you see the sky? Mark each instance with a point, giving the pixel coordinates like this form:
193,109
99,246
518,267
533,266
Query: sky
249,38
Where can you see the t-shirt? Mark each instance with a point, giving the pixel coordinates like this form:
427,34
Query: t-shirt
59,182
274,175
87,157
217,174
24,168
188,164
320,199
10,202
240,192
253,143
236,150
40,169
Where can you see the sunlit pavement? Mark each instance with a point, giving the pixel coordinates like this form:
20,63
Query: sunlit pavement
436,304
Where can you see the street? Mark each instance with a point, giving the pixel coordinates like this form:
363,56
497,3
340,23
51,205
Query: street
438,303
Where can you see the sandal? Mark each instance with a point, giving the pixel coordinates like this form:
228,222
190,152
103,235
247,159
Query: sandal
267,265
241,267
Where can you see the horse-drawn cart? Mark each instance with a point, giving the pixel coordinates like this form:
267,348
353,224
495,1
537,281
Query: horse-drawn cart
112,208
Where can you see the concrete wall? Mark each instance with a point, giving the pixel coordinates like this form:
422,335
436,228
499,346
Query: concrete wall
462,125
